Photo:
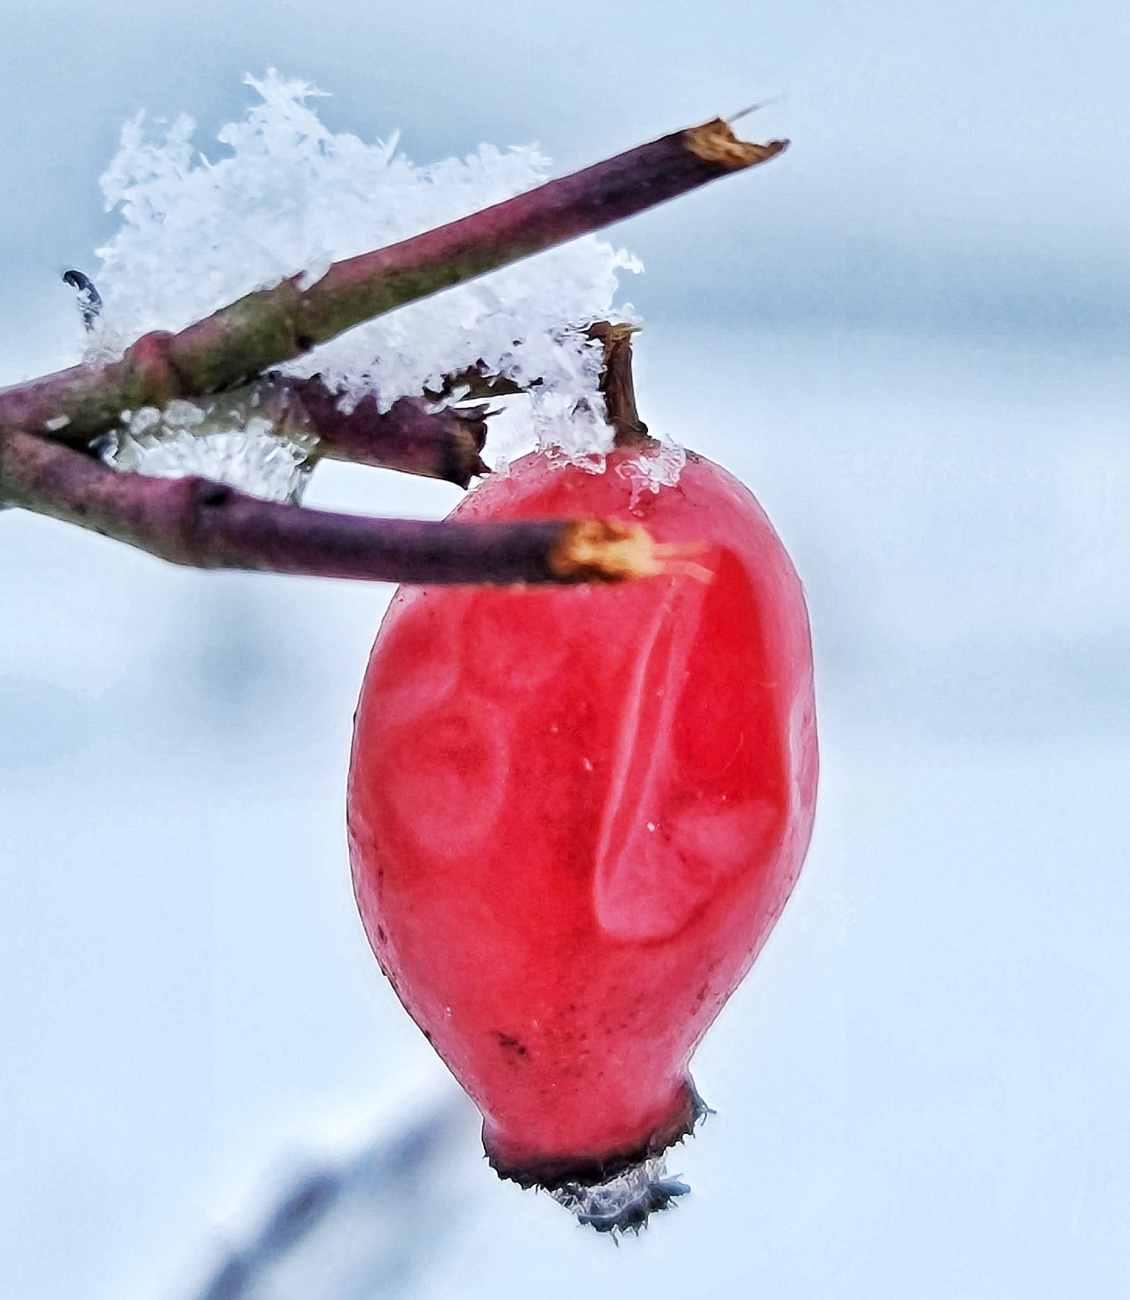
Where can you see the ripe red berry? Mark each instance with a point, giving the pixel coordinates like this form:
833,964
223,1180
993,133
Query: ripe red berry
576,813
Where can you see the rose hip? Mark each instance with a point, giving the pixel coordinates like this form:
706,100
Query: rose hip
575,814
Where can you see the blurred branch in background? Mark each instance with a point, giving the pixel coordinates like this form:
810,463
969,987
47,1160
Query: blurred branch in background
356,1229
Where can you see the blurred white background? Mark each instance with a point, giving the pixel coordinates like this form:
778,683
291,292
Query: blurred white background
909,337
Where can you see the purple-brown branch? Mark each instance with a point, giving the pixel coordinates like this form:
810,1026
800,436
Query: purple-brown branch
271,326
197,522
411,436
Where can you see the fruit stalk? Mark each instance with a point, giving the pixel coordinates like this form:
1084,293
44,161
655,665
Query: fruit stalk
618,385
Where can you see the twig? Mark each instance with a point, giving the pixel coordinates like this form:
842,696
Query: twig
410,436
197,522
275,325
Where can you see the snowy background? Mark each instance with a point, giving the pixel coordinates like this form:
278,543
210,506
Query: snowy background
909,337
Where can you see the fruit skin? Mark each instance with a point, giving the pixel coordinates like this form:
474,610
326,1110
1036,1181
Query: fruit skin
576,813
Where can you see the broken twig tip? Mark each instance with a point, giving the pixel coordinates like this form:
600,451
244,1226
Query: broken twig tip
609,550
714,142
604,550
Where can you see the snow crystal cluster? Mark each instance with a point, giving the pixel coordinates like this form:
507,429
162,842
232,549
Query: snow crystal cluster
224,439
653,469
290,197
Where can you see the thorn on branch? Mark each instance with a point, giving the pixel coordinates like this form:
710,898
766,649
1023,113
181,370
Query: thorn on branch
753,108
89,299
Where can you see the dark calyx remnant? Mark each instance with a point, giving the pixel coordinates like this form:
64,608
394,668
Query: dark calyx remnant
625,1203
619,1191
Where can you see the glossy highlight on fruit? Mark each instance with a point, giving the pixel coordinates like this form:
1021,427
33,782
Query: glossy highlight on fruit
576,813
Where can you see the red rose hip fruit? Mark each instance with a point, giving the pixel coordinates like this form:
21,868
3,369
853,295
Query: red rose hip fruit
575,814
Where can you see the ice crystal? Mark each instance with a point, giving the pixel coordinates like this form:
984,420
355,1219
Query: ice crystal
290,197
652,469
224,439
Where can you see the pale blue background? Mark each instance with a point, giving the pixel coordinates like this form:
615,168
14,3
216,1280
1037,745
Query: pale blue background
909,337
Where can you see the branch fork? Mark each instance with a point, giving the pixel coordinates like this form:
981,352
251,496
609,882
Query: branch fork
49,426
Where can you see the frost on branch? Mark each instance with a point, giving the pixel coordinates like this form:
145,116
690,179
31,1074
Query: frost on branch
290,196
222,439
247,341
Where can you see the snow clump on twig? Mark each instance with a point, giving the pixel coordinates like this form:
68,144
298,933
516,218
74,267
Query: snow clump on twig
291,197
